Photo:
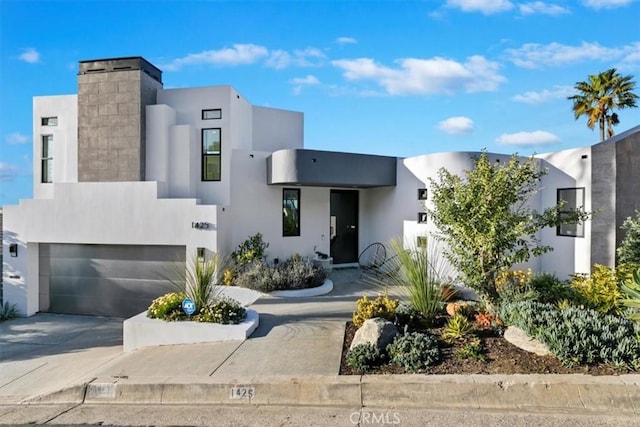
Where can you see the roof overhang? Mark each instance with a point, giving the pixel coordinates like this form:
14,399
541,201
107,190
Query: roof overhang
330,169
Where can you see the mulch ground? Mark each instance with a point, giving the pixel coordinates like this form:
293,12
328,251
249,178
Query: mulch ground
502,357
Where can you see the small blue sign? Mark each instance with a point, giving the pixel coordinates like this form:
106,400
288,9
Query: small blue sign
188,306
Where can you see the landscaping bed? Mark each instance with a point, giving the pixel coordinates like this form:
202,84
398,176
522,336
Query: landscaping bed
502,357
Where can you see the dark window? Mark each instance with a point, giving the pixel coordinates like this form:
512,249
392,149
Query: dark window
47,158
211,154
49,121
215,113
573,200
290,212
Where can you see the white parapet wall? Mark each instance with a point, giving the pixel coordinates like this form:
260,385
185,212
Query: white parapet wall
141,331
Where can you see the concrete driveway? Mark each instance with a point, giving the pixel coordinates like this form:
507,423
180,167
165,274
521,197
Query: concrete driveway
49,352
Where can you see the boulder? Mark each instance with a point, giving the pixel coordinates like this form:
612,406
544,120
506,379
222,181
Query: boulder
520,339
379,332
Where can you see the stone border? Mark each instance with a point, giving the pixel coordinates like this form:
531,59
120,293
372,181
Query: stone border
324,289
140,331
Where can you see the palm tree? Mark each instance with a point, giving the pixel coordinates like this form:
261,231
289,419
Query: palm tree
600,95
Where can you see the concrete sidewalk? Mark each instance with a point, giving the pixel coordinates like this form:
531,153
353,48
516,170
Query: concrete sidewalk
293,358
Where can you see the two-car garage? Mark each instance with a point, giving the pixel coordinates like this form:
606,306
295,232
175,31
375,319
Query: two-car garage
106,280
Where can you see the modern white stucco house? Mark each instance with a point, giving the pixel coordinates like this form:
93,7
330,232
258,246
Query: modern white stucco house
130,178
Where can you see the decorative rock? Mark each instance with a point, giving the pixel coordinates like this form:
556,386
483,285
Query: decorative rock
520,339
377,331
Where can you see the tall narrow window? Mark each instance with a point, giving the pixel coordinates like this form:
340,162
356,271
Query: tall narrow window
290,212
211,154
573,200
47,158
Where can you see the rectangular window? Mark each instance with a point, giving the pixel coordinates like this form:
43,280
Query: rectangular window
47,158
290,212
49,121
211,154
573,199
213,114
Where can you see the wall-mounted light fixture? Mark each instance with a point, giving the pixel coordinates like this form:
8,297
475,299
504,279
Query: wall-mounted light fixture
13,249
422,217
422,194
200,255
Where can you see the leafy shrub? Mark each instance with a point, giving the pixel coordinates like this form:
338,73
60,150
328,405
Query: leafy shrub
250,250
631,291
222,310
599,290
629,249
414,351
363,357
8,311
515,285
550,289
294,273
577,336
407,316
167,307
456,328
382,306
472,350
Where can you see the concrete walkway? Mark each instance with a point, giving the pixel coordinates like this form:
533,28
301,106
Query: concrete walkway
293,358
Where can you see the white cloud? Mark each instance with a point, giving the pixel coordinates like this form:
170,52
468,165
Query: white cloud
545,95
416,76
540,7
528,139
30,55
238,54
8,172
486,7
308,80
16,138
606,4
308,57
346,40
300,82
456,125
533,55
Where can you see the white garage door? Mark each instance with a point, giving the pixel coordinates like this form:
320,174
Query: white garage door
105,280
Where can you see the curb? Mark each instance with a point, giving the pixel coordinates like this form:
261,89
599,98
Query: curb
567,393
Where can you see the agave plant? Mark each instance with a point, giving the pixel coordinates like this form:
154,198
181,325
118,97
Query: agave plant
631,289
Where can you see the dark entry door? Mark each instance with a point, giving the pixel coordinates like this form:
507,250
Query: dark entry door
344,226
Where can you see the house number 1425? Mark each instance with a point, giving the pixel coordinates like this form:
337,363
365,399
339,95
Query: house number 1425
242,392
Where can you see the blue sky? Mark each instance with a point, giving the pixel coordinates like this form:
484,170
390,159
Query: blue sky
387,77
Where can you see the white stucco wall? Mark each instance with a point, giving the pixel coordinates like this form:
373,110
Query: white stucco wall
257,208
567,169
275,129
384,210
127,213
65,141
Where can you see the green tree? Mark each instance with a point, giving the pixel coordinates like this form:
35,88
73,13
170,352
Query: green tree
486,222
629,250
599,96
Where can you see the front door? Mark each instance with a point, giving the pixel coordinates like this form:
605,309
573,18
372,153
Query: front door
344,226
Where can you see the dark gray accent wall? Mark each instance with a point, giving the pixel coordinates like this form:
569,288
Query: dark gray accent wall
112,96
627,179
603,202
615,192
330,169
